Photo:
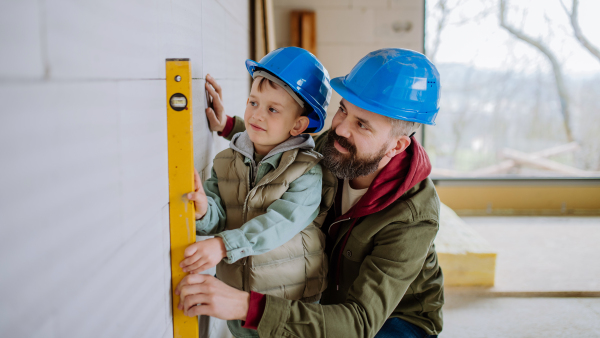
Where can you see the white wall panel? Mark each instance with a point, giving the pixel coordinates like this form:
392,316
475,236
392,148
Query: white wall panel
84,227
110,39
21,55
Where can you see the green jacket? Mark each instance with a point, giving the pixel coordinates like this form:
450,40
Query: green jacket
387,268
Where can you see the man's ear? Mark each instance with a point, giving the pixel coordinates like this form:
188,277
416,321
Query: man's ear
400,145
300,126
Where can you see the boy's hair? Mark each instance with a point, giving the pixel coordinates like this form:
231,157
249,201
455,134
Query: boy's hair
263,81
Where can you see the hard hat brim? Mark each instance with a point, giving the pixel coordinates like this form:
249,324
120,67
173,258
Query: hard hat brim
251,65
399,114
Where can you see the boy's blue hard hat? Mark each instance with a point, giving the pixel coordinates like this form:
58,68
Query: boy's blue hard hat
398,83
305,75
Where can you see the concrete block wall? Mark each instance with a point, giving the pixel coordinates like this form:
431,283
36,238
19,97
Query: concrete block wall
84,231
349,29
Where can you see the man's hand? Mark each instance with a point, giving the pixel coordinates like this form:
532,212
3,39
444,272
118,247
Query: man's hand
199,197
203,255
216,116
206,295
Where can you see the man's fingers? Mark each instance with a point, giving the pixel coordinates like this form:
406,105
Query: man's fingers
191,280
195,305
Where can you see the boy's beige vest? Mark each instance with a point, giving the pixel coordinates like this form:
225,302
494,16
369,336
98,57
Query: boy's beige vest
296,270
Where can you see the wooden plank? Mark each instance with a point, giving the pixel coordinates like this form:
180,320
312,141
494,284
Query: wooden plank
260,43
309,32
269,18
466,258
181,181
295,28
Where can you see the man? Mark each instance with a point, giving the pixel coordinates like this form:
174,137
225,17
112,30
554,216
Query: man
384,278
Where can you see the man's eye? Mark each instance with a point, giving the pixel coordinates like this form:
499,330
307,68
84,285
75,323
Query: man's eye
342,109
272,110
362,125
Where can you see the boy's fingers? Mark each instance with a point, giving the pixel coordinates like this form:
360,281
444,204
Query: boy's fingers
186,263
196,265
202,268
196,196
190,250
212,117
213,93
196,179
214,83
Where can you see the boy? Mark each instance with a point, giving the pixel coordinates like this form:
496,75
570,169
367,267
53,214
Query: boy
263,200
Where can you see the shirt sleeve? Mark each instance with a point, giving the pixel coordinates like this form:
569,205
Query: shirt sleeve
214,219
284,218
233,126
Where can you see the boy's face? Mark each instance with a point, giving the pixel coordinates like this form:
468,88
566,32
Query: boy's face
272,116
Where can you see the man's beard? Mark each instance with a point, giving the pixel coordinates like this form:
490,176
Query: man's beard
348,166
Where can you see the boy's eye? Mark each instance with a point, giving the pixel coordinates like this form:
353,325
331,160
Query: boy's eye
272,110
253,104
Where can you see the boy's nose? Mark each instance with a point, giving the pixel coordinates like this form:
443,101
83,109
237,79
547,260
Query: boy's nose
259,115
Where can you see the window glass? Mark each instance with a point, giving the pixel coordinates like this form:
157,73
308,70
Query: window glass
520,88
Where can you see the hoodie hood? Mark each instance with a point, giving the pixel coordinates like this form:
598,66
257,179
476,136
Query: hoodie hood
241,143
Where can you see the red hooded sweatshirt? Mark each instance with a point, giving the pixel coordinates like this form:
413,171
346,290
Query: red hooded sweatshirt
402,173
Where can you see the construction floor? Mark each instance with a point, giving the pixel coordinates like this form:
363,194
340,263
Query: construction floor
542,263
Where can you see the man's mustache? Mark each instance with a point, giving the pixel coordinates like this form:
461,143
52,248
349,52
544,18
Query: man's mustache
343,142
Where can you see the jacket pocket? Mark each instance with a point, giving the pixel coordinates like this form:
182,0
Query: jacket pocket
355,250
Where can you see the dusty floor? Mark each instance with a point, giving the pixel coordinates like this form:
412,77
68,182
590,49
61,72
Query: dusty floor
534,254
473,317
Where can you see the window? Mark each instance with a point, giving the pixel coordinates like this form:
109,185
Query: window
520,88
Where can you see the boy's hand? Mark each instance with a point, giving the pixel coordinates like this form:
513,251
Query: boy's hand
216,116
198,196
203,255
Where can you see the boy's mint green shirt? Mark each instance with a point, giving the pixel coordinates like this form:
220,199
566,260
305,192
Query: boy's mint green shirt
284,218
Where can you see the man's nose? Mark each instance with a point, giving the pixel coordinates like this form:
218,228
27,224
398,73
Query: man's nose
342,129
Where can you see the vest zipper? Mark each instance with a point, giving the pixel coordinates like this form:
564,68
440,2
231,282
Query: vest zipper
245,272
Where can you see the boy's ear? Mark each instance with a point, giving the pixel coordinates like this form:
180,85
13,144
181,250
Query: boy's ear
300,126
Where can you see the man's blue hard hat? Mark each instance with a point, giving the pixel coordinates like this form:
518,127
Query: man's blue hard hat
300,70
397,83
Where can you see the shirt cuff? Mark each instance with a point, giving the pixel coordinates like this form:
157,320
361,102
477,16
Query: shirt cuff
236,244
228,127
255,310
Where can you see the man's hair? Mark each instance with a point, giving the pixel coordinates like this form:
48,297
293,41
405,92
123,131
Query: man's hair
263,81
403,128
